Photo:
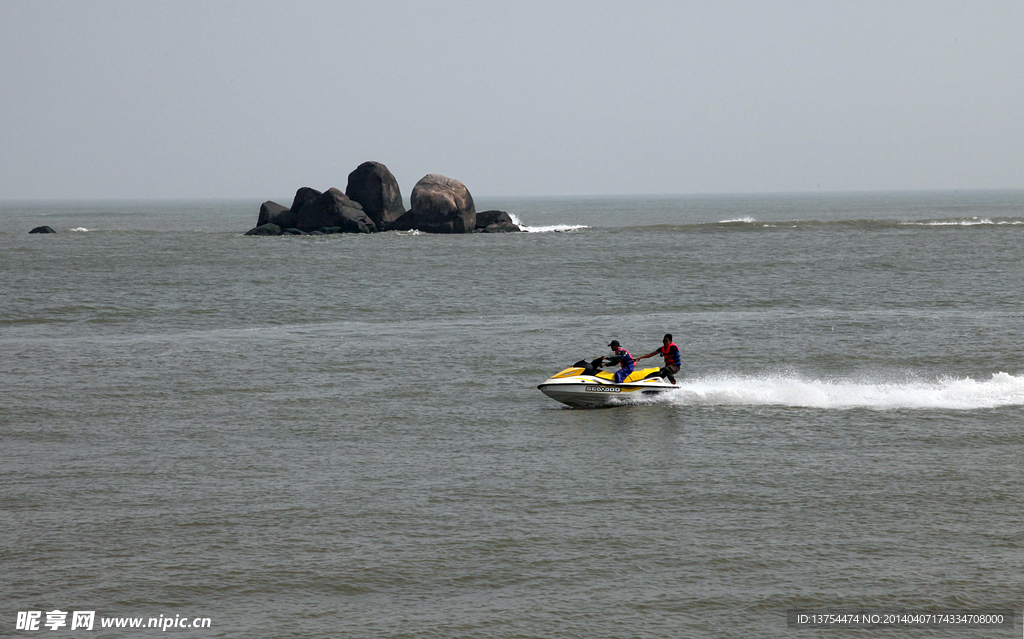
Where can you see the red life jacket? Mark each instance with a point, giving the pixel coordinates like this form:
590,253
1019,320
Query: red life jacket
627,361
670,358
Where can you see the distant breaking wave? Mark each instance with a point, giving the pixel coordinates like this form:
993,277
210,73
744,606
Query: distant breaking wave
752,223
1002,389
554,228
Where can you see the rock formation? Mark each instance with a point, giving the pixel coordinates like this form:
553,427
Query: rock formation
373,186
495,222
312,211
329,210
373,202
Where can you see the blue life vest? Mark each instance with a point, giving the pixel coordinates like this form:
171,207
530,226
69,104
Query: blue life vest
625,359
671,359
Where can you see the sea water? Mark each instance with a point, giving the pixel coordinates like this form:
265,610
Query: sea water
342,436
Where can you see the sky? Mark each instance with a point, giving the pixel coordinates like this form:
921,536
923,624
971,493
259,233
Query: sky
216,99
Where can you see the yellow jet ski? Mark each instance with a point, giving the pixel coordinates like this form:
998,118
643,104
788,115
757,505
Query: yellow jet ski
584,385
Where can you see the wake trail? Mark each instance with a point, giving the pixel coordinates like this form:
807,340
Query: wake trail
1003,389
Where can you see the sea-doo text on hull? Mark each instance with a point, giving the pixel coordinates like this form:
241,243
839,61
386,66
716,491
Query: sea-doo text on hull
585,386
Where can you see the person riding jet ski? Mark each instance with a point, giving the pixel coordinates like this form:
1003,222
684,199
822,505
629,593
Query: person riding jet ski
673,359
622,358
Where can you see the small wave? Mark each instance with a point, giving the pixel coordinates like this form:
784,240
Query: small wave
974,221
1002,389
745,224
553,228
80,229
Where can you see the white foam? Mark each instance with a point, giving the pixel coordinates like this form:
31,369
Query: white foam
1002,389
80,229
554,228
739,220
971,222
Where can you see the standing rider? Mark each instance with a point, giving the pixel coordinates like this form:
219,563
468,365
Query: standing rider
673,359
623,359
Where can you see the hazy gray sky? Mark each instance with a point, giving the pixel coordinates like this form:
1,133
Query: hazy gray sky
135,99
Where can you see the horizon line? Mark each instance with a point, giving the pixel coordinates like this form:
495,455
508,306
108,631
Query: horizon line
700,194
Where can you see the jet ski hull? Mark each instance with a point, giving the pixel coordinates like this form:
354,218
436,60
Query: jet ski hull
578,390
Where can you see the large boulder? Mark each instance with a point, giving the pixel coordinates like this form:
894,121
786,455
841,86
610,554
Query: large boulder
42,229
317,210
373,186
495,222
304,196
404,223
442,205
274,213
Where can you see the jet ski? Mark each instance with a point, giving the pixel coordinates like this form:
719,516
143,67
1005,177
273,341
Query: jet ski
585,385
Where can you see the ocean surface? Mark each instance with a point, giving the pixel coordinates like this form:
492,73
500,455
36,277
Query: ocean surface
341,436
